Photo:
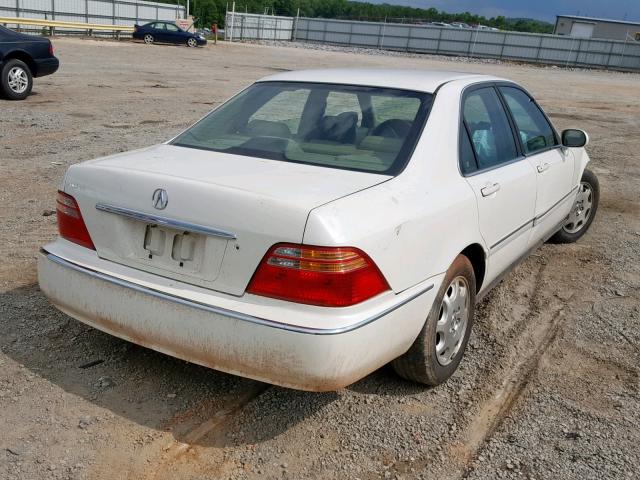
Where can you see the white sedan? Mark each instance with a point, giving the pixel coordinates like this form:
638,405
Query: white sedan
320,224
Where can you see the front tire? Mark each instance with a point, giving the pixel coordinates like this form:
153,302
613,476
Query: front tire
582,212
148,39
437,351
16,80
192,42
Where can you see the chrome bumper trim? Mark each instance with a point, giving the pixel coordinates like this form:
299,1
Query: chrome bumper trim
230,313
164,221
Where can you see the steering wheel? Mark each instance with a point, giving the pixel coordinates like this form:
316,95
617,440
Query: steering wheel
393,128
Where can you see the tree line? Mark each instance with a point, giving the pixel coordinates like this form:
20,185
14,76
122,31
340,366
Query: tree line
208,12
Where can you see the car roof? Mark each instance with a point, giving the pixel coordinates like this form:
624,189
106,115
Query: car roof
418,80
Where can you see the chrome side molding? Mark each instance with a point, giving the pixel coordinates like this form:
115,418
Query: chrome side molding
530,223
553,207
165,222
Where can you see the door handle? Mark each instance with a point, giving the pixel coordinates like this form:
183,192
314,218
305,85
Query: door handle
490,189
543,167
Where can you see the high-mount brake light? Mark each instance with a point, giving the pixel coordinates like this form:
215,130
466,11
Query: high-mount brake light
324,276
71,226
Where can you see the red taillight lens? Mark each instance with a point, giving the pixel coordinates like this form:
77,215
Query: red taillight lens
52,50
325,276
70,223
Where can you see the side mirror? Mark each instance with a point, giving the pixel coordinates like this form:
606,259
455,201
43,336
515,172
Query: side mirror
574,138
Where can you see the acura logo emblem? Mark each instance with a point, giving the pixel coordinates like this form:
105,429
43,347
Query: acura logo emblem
160,199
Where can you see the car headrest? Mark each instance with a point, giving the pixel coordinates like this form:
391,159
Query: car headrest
268,128
340,128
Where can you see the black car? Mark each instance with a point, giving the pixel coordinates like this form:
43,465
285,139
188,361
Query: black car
23,57
167,32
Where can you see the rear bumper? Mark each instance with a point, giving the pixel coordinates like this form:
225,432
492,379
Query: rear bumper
46,66
265,349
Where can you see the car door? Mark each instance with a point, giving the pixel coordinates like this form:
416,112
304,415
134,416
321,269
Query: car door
160,32
155,29
503,181
553,164
174,34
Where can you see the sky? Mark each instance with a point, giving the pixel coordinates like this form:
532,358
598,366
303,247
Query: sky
539,9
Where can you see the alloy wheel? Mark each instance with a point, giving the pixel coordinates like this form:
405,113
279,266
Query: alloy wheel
18,80
148,39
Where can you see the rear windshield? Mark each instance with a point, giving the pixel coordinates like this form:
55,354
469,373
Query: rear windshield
350,127
5,33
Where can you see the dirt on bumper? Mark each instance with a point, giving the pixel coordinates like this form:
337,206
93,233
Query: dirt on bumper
274,355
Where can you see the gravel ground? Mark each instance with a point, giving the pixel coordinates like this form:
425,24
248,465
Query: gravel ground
549,387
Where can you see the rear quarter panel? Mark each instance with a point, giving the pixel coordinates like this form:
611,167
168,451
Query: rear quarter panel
414,225
25,50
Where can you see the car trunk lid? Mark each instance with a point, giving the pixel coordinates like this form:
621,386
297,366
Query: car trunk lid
222,211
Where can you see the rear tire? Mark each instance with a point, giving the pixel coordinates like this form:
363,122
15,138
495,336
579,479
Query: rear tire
583,210
437,351
148,39
16,80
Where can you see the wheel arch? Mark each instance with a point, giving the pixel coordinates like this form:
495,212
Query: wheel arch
478,258
25,57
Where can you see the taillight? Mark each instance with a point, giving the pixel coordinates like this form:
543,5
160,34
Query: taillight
325,276
70,223
52,50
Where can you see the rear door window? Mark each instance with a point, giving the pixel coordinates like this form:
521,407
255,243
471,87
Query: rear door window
467,157
489,130
535,131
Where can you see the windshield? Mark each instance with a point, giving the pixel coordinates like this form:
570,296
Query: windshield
350,127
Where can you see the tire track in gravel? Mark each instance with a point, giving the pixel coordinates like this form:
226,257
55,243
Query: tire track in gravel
494,411
534,332
171,454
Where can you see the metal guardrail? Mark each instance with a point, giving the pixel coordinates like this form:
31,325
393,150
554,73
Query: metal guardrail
69,25
100,12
